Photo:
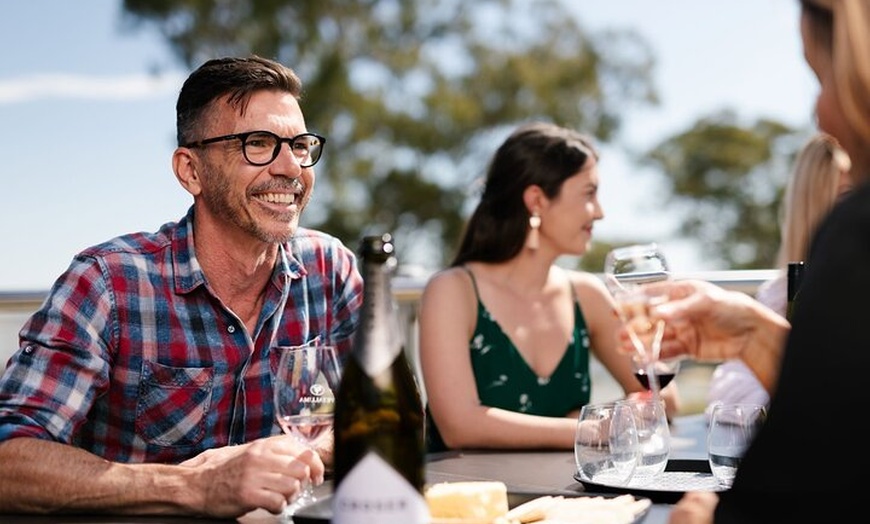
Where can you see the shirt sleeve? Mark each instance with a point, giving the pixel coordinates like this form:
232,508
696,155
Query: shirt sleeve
62,363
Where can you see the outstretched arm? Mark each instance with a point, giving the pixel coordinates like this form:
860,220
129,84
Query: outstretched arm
707,322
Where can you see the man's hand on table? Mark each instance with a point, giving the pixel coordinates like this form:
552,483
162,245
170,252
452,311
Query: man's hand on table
265,473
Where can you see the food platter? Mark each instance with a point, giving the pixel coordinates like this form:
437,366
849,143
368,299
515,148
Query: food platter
320,512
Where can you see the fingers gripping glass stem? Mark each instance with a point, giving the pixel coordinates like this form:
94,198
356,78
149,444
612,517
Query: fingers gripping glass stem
626,270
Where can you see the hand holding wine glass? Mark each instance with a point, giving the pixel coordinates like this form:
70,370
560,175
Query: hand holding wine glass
305,384
626,269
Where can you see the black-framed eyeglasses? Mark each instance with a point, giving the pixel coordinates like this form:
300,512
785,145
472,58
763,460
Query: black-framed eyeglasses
261,148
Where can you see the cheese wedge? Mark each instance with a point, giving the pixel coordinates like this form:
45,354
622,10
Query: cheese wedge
478,500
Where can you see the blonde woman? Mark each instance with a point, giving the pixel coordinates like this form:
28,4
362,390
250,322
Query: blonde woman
809,461
819,179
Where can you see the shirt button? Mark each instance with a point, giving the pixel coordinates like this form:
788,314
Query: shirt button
231,329
28,349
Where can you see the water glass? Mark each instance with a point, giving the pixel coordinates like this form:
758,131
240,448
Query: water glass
732,428
605,444
653,437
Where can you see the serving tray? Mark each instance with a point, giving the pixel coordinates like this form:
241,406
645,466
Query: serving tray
679,476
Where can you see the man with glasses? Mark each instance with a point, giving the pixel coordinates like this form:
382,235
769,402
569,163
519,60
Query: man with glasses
143,383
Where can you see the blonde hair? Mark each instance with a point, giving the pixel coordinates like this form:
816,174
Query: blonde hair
811,192
840,27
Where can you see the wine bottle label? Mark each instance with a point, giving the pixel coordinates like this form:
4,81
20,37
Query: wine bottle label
374,492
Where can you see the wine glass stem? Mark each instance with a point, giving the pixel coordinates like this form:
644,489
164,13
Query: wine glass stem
636,342
303,498
307,492
657,339
651,363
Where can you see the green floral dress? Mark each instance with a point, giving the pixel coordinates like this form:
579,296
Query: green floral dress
505,380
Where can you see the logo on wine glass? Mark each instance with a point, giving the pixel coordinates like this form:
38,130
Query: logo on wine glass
318,394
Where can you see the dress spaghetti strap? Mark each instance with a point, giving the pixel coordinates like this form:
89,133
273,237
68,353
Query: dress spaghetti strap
473,282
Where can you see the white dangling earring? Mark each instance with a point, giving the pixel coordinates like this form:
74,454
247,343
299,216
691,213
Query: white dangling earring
533,240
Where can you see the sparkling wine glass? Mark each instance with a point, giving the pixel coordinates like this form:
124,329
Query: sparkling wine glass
626,269
305,383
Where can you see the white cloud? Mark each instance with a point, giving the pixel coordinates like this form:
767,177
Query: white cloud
48,86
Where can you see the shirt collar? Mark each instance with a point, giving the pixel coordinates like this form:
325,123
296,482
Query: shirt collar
189,275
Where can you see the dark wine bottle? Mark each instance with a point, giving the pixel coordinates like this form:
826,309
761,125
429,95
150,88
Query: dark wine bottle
794,277
379,446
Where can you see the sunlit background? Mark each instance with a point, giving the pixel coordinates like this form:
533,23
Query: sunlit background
87,109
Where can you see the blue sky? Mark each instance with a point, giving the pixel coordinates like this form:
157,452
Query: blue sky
88,131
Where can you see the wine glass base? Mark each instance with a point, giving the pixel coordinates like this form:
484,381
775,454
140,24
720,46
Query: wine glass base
304,499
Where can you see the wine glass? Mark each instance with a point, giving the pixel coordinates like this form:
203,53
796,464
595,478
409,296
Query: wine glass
664,371
626,269
732,428
305,383
653,438
606,444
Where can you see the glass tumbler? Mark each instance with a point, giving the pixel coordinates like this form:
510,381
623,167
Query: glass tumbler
653,438
605,444
732,428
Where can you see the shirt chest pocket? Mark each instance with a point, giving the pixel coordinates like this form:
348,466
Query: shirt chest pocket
172,404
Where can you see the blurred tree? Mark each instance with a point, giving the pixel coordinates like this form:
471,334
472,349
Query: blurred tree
414,95
728,180
593,259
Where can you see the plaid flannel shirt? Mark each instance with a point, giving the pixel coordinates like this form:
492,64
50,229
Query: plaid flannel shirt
133,358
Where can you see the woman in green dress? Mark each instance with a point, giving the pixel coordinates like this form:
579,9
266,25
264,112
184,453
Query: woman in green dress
505,333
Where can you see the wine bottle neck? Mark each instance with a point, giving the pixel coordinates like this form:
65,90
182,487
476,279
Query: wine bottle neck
794,278
378,338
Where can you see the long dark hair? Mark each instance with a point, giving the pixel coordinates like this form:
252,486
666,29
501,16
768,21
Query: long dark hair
537,153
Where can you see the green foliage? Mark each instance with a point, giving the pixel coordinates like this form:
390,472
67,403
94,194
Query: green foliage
414,96
593,259
729,180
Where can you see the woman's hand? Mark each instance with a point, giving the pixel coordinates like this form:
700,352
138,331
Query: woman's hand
695,507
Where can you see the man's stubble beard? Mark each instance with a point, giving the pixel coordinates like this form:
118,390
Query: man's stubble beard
222,202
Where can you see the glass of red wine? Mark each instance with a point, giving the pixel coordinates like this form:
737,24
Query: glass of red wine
665,371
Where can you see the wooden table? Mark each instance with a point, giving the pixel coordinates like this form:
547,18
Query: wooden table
552,471
522,471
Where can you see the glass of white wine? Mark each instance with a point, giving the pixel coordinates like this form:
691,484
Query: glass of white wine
626,269
305,383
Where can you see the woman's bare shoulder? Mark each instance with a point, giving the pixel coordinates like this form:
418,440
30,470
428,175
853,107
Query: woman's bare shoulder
448,284
448,277
584,281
